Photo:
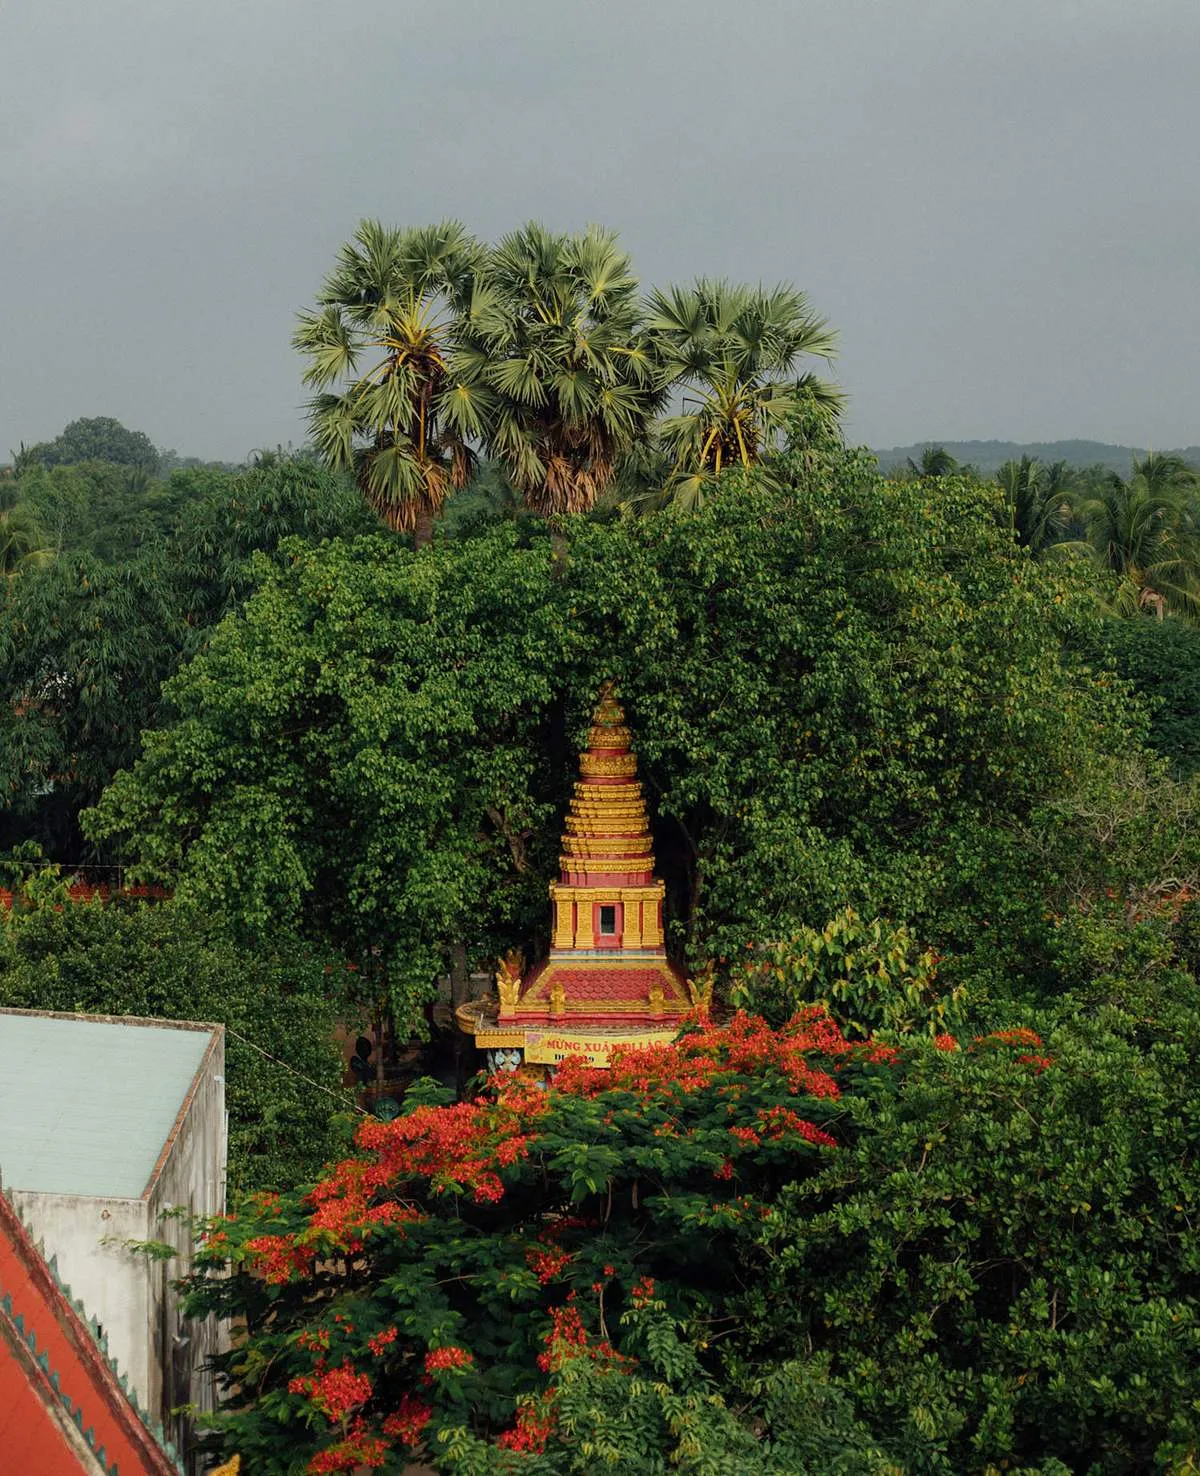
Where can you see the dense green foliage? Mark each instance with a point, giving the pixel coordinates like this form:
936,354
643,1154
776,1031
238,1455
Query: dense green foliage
159,960
1161,658
86,643
843,692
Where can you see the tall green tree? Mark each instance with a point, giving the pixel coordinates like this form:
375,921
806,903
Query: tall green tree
934,461
732,353
1145,531
964,1255
1038,501
86,644
378,346
564,378
100,438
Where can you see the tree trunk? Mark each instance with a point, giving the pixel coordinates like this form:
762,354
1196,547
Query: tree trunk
460,984
459,979
423,528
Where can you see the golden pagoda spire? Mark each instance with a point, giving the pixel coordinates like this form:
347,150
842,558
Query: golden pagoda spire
607,964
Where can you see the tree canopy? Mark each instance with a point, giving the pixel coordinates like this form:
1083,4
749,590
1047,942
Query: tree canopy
842,692
100,438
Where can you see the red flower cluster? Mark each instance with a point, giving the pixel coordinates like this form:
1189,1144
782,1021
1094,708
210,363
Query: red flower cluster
547,1263
1018,1038
438,1360
356,1451
277,1258
746,1046
531,1431
567,1332
778,1122
945,1043
377,1342
642,1291
336,1392
408,1420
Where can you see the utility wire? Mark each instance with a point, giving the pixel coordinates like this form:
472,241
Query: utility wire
362,1111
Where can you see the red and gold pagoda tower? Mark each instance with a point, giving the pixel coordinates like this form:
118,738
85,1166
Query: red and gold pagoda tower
607,978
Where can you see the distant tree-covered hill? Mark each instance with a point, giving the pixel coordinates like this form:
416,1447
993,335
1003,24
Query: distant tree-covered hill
989,456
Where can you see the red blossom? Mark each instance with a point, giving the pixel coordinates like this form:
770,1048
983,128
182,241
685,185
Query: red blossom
357,1450
547,1263
642,1291
438,1360
409,1419
945,1043
377,1342
777,1122
530,1432
336,1392
277,1258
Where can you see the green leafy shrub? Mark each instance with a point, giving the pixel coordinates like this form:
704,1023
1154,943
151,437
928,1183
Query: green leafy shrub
871,976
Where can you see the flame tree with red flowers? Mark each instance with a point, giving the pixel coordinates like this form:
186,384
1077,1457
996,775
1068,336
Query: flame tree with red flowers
759,1250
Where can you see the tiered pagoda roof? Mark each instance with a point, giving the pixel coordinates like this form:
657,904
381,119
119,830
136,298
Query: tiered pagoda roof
607,964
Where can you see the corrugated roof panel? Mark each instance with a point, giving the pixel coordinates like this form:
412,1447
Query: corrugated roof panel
86,1105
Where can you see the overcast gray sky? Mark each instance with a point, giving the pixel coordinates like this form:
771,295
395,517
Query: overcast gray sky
996,202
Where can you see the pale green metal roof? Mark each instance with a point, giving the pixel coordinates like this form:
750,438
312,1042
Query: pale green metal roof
87,1105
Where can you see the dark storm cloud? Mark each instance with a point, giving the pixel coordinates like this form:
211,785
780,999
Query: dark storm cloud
994,200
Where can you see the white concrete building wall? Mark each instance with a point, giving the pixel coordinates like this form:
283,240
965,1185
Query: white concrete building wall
89,1240
128,1291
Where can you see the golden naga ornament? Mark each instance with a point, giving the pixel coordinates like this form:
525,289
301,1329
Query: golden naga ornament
508,979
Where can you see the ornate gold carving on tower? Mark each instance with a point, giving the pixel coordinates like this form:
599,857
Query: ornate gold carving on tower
508,980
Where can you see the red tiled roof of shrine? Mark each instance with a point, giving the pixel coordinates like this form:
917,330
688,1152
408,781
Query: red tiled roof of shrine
619,984
63,1407
82,891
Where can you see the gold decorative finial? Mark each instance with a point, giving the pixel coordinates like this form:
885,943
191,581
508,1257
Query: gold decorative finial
701,989
509,972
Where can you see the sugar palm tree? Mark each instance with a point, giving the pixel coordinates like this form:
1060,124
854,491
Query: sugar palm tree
1038,501
1145,531
733,352
557,367
378,347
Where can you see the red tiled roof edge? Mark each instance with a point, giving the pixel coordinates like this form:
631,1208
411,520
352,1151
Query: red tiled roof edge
36,1310
86,891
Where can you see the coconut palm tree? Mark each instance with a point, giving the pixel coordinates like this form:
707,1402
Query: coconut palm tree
1145,531
21,543
561,379
378,347
734,351
935,461
1038,500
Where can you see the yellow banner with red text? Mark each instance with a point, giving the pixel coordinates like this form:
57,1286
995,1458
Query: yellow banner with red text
549,1047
